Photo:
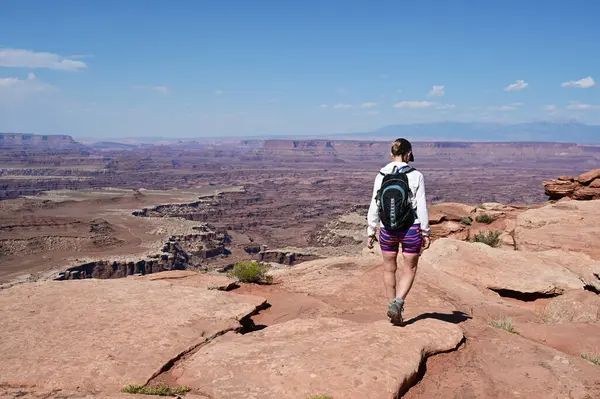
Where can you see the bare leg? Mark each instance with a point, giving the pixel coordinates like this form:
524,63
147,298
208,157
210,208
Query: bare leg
389,274
408,275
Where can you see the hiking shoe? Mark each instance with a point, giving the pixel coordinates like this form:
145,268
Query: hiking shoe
395,308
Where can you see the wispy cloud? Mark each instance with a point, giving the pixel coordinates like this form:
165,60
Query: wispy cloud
342,106
584,83
518,85
218,92
581,106
509,107
550,108
18,58
159,89
324,106
445,106
384,76
372,113
368,105
22,86
437,91
415,104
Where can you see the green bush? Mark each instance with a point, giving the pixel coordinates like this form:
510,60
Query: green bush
162,390
251,272
492,238
485,218
592,357
504,324
467,220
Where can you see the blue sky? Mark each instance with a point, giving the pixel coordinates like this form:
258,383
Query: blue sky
113,69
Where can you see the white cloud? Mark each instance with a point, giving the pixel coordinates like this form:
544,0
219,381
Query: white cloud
342,105
584,83
518,85
510,107
414,104
368,105
550,108
582,107
437,91
445,106
324,106
31,83
159,89
18,58
218,92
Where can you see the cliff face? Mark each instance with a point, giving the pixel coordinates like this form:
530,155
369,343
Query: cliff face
36,141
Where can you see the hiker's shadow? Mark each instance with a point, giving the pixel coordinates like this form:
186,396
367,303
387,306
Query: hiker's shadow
454,317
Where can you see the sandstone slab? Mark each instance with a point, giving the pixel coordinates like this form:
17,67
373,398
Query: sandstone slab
571,226
495,269
576,307
325,356
193,279
99,335
595,183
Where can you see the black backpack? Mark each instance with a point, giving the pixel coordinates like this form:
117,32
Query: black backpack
393,200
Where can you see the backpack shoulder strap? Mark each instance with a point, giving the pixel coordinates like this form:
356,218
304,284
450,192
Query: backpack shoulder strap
408,169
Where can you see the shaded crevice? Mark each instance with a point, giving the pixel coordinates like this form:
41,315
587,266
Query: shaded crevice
591,288
416,378
524,296
246,326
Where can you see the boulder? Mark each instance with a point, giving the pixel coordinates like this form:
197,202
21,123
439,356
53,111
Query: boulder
573,307
587,193
100,335
566,178
448,211
515,273
595,183
570,226
324,356
588,177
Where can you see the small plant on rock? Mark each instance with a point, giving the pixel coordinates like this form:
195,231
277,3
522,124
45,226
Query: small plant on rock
162,390
491,238
504,324
485,218
252,272
467,220
592,357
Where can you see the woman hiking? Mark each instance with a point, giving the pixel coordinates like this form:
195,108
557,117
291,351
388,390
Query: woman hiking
398,205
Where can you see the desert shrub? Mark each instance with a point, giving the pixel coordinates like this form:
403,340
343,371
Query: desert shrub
592,357
251,272
504,324
467,220
162,390
485,218
491,238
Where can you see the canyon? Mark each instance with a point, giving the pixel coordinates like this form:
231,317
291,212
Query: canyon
138,244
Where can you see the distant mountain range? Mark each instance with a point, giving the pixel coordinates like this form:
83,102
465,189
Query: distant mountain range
482,132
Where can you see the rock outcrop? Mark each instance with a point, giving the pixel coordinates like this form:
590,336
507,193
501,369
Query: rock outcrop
584,187
508,273
569,226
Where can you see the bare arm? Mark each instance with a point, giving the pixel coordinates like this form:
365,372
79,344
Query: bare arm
422,213
373,214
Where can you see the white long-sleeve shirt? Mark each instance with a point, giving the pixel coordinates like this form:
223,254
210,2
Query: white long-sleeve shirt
417,191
